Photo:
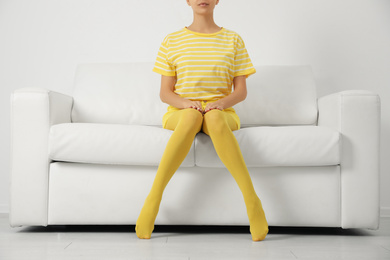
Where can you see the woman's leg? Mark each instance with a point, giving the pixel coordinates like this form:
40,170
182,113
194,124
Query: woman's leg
219,126
185,123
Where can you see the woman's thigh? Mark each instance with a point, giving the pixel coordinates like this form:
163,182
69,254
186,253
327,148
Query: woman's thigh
215,114
175,116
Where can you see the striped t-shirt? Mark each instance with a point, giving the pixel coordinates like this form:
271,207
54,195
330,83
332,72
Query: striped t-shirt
204,63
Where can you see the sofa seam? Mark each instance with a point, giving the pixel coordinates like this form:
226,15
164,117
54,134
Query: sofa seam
12,128
341,157
49,113
97,162
359,95
195,141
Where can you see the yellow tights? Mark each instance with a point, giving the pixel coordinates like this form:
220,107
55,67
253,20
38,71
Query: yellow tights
186,123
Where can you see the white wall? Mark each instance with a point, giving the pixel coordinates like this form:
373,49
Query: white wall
346,42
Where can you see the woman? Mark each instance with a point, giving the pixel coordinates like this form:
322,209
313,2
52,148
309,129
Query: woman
199,64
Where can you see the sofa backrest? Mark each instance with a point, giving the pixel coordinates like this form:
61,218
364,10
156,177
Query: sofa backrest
129,93
117,93
279,95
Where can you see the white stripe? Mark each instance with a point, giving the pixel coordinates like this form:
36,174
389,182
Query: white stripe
242,54
212,71
243,69
204,96
213,44
224,52
228,42
238,50
231,38
181,32
162,68
184,33
223,56
204,61
197,47
192,66
201,86
242,64
191,36
196,92
203,76
178,57
160,57
194,53
185,82
242,59
158,63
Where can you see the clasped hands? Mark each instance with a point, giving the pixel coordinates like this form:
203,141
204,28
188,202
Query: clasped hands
209,106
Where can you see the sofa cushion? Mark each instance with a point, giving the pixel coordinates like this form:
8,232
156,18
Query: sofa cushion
277,146
144,145
110,144
129,93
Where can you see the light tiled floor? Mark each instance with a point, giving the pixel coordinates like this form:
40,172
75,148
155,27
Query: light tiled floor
191,243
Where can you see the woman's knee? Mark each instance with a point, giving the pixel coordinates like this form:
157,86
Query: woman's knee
215,122
191,119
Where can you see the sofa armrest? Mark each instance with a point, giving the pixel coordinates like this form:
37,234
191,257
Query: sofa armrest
33,111
356,115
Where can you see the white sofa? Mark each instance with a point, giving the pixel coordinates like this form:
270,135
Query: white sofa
91,158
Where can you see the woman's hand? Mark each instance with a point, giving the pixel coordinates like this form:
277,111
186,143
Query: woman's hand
214,105
193,104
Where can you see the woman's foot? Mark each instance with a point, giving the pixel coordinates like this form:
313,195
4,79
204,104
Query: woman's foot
145,222
142,235
258,222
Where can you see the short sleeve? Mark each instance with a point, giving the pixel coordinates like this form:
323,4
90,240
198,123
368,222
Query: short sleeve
162,65
242,63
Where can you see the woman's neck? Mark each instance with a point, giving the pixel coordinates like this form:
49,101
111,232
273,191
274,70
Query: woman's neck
204,24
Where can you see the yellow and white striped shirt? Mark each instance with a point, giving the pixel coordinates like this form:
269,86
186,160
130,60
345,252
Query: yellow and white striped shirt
204,63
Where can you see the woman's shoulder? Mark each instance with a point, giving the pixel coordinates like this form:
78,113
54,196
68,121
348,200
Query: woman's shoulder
174,34
232,32
235,35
